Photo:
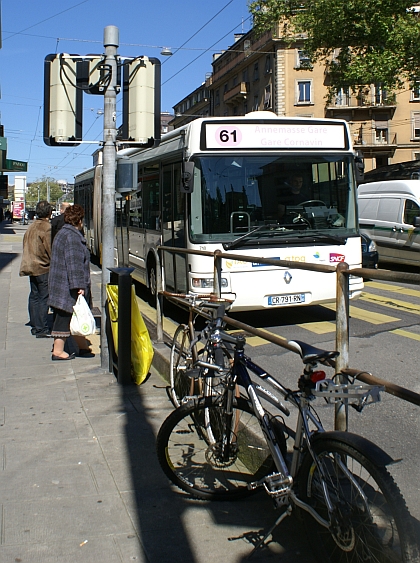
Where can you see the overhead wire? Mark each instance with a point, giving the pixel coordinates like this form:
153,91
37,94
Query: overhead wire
198,31
211,46
45,20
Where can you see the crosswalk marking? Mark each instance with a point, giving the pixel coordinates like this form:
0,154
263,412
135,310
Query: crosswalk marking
368,316
406,334
321,327
391,302
394,288
251,340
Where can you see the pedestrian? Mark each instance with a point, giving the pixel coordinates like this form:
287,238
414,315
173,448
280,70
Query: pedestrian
35,263
58,221
1,214
69,278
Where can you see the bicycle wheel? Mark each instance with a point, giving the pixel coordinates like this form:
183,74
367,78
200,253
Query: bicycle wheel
181,385
195,458
371,521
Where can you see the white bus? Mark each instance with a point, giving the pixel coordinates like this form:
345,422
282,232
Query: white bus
258,185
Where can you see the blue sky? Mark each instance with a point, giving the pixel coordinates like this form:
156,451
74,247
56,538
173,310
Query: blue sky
32,30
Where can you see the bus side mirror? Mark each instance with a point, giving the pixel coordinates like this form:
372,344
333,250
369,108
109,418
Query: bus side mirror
187,178
360,170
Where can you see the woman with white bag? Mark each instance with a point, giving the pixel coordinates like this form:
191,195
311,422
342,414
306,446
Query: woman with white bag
69,278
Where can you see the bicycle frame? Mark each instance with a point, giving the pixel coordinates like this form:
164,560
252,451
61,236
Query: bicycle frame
282,483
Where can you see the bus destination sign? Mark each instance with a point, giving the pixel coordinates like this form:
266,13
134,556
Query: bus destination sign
285,136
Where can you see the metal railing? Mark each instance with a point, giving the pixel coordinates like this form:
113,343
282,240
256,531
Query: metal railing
343,273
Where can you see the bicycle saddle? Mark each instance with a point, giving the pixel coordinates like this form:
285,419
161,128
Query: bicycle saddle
310,353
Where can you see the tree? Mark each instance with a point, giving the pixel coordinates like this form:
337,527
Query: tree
360,41
38,191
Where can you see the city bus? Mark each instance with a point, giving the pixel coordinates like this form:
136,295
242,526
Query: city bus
257,185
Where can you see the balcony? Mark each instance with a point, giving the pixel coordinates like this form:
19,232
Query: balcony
236,94
362,101
376,141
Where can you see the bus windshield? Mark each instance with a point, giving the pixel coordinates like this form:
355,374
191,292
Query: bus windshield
271,197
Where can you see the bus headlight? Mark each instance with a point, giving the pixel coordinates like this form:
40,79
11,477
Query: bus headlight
206,283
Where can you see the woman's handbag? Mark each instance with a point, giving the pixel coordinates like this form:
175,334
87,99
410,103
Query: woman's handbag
82,321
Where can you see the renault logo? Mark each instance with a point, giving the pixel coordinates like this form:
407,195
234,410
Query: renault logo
287,277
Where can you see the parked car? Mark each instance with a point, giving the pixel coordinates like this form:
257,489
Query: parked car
370,256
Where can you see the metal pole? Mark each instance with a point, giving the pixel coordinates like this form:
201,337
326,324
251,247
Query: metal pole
111,41
217,282
124,324
342,339
159,297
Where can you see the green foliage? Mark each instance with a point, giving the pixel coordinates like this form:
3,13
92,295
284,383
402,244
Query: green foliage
361,41
32,192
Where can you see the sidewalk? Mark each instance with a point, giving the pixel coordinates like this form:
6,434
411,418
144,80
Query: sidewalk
79,478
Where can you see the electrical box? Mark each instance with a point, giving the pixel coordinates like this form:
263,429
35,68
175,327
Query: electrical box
63,101
141,101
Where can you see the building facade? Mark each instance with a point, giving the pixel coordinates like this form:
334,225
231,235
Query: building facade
264,73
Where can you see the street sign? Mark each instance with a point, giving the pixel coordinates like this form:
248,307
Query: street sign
14,165
3,144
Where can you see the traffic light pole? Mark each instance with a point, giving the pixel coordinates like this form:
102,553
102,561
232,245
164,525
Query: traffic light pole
111,41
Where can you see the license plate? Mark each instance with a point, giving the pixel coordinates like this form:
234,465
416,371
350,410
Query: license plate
293,299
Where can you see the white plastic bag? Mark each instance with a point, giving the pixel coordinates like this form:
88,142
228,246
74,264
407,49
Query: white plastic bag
82,321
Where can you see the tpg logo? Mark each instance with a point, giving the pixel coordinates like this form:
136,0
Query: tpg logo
334,257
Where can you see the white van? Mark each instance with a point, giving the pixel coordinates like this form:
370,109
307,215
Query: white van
389,213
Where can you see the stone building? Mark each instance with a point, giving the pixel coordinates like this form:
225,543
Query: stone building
267,74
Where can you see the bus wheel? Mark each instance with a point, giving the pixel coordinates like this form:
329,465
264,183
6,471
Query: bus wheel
152,279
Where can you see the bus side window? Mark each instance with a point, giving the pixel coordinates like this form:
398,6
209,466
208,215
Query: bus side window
151,204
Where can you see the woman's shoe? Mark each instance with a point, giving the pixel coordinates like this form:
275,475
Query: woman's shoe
59,358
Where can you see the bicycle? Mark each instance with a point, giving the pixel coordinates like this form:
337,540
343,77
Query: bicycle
225,447
189,345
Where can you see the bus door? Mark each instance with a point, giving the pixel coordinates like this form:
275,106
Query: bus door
173,228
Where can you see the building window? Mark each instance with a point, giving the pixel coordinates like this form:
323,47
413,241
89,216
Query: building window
415,92
267,97
245,108
304,88
217,98
380,95
267,67
303,61
343,97
235,110
416,124
381,136
255,104
245,75
381,130
256,75
225,88
235,80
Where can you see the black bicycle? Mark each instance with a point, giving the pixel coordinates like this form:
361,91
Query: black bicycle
225,447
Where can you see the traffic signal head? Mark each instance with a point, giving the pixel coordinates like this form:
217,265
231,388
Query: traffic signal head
63,101
141,101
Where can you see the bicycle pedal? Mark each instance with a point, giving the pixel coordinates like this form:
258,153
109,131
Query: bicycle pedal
276,485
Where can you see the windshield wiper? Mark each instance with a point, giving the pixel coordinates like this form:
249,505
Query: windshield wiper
316,236
235,243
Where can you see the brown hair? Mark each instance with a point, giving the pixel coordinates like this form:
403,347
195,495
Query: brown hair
74,214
